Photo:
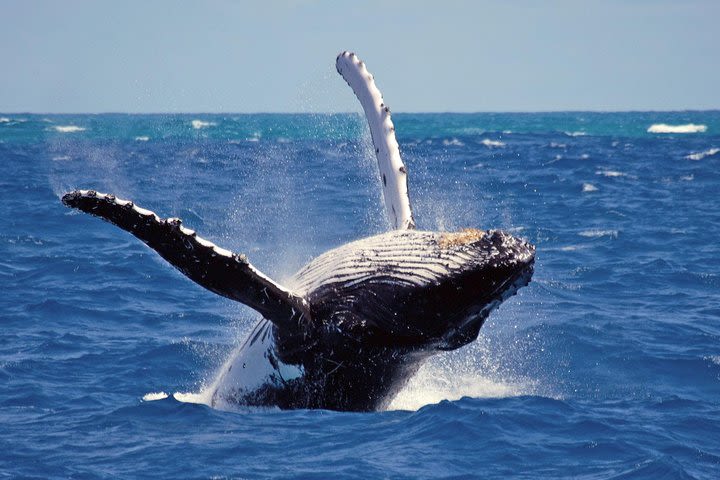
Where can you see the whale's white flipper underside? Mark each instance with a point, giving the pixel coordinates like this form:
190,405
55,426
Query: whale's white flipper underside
219,270
393,172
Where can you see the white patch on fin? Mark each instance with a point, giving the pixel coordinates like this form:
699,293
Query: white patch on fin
393,172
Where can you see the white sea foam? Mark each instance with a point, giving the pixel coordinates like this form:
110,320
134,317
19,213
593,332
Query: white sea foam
558,145
688,178
686,128
4,120
589,187
142,139
584,156
575,134
700,155
714,359
571,248
151,397
610,173
198,124
68,128
431,385
202,397
61,158
453,142
597,233
492,143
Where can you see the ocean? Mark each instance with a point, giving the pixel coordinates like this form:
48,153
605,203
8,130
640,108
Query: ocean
606,366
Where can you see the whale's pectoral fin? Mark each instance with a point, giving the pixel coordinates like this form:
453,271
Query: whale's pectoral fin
219,270
393,172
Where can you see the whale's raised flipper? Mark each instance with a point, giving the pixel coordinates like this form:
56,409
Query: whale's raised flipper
393,172
219,270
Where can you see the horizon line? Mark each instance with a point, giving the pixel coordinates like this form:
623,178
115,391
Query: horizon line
439,112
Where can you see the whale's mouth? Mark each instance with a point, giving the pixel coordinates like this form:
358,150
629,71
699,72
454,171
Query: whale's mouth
467,329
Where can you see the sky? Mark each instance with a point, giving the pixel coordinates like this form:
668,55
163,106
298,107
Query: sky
81,56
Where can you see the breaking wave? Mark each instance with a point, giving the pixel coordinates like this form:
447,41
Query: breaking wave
700,155
68,128
610,173
597,233
454,142
686,128
198,124
492,143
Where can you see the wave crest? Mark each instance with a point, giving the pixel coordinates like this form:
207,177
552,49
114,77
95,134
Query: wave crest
492,143
68,128
686,128
198,124
700,155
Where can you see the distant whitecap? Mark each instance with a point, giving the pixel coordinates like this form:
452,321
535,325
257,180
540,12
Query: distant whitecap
610,173
68,128
492,143
686,128
198,124
453,142
5,120
575,134
700,155
589,187
596,233
142,139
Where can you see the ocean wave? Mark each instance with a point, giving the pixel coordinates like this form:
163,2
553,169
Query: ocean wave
557,145
198,124
589,187
700,155
492,143
5,120
597,233
142,139
453,142
686,128
575,134
68,128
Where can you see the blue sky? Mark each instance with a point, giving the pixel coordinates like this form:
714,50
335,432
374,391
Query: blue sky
273,56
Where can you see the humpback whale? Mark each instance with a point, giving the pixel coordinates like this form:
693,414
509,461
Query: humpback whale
354,324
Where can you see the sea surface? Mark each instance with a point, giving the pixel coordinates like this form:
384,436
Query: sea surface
607,366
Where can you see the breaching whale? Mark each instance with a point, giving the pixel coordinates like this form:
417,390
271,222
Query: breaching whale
359,319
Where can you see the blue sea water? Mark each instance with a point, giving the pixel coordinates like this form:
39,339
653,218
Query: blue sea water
606,366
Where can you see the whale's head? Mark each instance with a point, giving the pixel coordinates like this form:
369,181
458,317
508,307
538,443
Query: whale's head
426,290
493,266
